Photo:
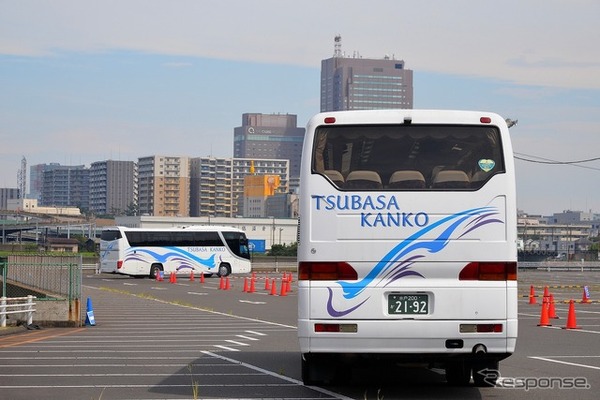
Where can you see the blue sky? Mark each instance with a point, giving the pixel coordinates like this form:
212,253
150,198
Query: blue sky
83,82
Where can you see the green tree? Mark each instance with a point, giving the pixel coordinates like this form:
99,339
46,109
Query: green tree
284,250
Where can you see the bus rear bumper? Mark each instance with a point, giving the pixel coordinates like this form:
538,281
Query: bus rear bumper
408,337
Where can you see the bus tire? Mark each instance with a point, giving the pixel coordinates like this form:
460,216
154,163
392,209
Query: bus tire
224,270
458,372
155,269
486,373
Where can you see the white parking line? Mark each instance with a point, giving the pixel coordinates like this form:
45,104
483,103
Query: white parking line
226,348
257,333
275,375
247,337
236,342
565,362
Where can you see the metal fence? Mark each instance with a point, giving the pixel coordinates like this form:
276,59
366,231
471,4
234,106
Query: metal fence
41,276
16,305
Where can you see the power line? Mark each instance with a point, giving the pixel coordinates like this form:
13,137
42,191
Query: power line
548,161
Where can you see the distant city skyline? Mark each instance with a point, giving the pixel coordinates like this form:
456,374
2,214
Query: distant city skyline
91,84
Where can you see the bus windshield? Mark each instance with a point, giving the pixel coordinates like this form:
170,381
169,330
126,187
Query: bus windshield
407,157
238,244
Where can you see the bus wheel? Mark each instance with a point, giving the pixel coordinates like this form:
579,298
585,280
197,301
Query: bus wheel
155,270
458,372
224,270
486,373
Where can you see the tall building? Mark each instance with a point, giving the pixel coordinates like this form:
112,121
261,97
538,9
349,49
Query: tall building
270,136
36,179
113,187
7,194
217,184
356,83
66,186
164,186
257,189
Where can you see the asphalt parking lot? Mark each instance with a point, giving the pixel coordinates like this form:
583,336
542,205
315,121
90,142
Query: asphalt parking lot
193,340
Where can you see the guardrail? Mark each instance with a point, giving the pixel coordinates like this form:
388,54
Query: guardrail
93,267
560,265
21,308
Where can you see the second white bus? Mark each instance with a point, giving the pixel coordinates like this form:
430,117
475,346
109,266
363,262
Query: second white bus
407,243
141,252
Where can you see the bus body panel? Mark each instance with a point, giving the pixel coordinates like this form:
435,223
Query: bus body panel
118,255
406,242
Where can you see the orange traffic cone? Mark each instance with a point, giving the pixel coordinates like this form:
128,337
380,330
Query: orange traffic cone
252,288
571,319
532,299
192,276
202,277
586,295
267,283
245,285
222,283
546,293
544,320
283,288
552,308
288,284
227,284
273,288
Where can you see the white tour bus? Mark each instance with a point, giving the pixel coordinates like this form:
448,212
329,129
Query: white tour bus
407,243
141,252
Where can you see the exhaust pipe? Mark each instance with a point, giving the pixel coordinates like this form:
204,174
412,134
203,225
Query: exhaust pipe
479,349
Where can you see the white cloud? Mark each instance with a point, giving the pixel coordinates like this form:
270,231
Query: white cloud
547,43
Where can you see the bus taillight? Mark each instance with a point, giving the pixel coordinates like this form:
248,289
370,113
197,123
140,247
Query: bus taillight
489,271
326,271
119,264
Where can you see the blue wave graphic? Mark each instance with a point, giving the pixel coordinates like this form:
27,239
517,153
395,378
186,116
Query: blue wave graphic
183,258
398,262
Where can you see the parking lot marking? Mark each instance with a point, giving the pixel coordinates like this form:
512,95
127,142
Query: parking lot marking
226,348
252,302
20,339
257,333
275,375
573,330
247,337
564,362
236,342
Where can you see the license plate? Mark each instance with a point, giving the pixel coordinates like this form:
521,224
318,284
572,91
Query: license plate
408,304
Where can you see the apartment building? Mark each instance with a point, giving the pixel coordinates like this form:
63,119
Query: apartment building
113,187
217,184
164,186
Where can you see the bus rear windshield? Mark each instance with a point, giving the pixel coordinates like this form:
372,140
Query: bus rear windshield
408,157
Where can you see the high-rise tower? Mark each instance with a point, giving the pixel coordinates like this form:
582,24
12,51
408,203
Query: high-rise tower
356,83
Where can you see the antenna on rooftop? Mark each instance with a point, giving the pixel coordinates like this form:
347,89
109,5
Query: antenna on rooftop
22,178
337,46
